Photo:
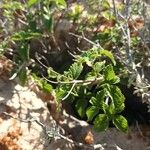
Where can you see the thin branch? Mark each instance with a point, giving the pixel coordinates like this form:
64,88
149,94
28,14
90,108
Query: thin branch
25,64
70,53
128,38
37,58
115,10
126,30
127,12
95,146
69,92
22,22
74,119
86,39
50,81
84,82
126,35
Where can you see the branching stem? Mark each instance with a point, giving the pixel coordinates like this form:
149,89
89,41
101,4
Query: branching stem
83,82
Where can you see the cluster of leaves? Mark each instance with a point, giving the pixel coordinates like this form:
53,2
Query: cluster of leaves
103,105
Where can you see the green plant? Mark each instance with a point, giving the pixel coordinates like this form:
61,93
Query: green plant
102,105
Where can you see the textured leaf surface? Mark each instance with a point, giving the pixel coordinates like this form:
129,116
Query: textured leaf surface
52,73
101,123
75,70
93,101
92,112
121,123
118,99
46,87
61,3
109,55
98,66
23,35
32,2
81,107
110,75
100,98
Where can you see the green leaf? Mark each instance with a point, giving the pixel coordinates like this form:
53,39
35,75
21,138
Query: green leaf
75,70
46,87
48,22
61,91
89,56
98,66
108,15
100,96
32,2
12,5
24,35
92,112
110,75
93,101
118,99
24,51
121,123
75,92
61,3
22,74
115,80
109,55
90,76
81,107
52,73
101,123
105,108
105,4
87,61
110,110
